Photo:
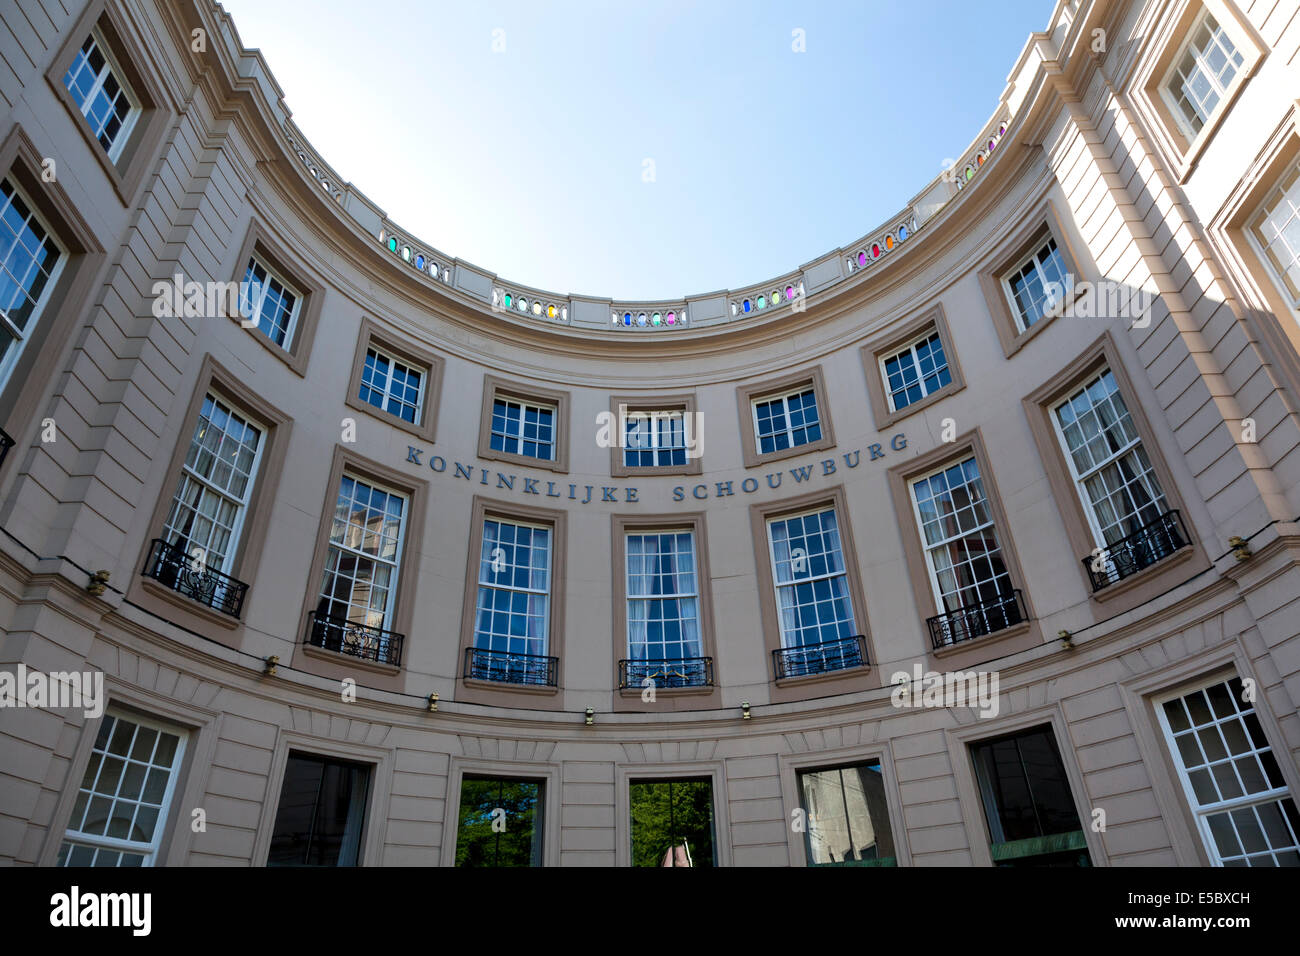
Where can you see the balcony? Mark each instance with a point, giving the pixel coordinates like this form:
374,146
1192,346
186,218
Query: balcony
822,658
1146,546
976,620
356,640
507,668
173,568
666,673
5,444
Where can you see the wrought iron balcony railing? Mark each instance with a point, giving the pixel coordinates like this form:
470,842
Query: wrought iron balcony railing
356,640
508,668
1141,549
820,658
976,620
5,444
666,672
171,567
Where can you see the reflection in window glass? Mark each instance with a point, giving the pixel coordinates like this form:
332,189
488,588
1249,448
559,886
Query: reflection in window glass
500,822
321,814
1027,802
672,823
847,818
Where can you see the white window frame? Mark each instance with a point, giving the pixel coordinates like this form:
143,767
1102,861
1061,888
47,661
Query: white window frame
629,598
910,350
784,397
777,584
149,852
111,66
518,437
255,311
1203,813
387,392
1261,248
655,418
941,608
1022,323
21,336
241,504
1094,524
1173,76
480,584
391,600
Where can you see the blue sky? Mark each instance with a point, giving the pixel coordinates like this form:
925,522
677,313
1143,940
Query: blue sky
530,162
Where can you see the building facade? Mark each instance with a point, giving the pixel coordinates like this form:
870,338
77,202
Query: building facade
974,542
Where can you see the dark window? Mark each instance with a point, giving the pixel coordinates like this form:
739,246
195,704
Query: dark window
321,814
500,822
846,816
672,823
1027,802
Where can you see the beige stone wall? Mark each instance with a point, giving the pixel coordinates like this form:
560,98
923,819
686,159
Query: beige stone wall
121,382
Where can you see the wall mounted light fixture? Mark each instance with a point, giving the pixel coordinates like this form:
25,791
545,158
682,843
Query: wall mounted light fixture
591,717
270,662
433,703
744,709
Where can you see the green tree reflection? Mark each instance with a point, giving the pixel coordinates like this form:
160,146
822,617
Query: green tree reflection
516,839
667,812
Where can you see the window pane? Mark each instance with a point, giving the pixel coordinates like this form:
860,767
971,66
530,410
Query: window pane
1027,798
321,813
29,259
123,794
500,822
847,817
672,823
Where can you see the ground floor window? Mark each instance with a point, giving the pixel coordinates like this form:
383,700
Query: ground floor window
1245,812
120,812
500,822
672,822
846,818
321,814
1027,802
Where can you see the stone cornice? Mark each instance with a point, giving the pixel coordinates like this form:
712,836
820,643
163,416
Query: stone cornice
247,94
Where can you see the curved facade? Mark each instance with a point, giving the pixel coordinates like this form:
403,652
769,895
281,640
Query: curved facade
972,542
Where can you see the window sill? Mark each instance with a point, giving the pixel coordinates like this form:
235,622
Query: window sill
894,417
1179,557
806,679
338,657
190,605
693,466
513,688
760,459
1023,338
984,640
634,693
523,461
296,363
422,431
